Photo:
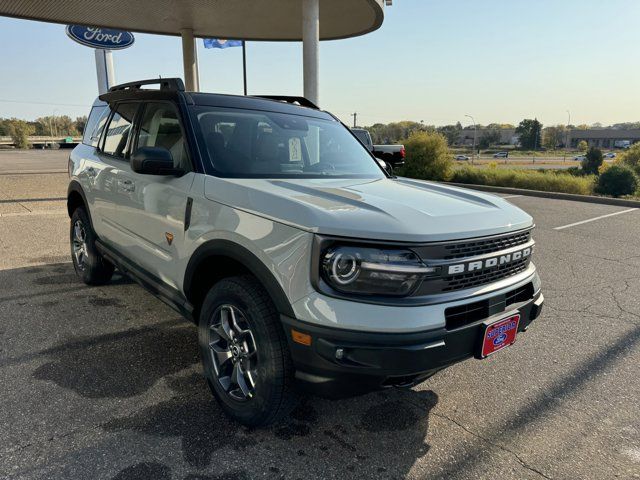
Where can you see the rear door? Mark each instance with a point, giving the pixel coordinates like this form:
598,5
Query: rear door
152,207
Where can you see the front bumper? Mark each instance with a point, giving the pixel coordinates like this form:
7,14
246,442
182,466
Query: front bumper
340,363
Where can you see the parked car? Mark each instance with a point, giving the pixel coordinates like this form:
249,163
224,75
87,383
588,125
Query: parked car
461,157
580,158
392,154
609,155
501,155
303,263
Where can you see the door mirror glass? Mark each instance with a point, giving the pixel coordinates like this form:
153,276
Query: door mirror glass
154,161
385,166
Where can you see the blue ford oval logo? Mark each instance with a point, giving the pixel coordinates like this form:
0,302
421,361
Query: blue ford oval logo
97,37
499,339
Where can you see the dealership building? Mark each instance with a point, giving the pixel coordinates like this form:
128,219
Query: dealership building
602,137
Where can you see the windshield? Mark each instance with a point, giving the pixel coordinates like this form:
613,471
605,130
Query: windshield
253,144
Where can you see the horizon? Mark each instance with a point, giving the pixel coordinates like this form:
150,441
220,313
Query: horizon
526,63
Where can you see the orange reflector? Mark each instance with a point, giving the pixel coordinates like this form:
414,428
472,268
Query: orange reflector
301,338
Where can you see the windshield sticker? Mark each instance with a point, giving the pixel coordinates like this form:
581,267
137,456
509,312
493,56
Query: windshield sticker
295,150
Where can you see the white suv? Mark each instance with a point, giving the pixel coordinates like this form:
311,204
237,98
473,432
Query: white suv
304,263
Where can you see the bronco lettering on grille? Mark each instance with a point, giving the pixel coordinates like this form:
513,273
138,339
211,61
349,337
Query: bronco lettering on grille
489,262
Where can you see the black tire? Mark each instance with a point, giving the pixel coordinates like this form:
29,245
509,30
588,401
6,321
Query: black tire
89,265
269,380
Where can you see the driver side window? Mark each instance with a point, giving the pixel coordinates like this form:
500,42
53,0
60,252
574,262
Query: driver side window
160,127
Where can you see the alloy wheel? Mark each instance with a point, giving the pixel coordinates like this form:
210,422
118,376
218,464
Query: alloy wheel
79,244
233,352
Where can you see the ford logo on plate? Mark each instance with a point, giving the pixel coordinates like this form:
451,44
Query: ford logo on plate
103,38
499,339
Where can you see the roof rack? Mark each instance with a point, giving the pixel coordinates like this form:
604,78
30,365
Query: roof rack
303,102
165,84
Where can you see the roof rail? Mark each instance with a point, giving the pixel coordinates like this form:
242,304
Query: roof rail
303,102
165,84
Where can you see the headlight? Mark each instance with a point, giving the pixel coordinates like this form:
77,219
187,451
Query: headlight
373,271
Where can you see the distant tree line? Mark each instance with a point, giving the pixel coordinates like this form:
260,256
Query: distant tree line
532,134
58,126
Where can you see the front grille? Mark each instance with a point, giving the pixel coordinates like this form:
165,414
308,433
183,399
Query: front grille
462,315
482,277
519,295
480,246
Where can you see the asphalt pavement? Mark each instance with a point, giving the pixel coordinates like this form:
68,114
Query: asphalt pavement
105,382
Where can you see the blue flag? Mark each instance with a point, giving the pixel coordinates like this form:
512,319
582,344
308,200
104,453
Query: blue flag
220,43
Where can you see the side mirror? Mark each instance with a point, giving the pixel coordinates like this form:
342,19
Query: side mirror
154,161
385,166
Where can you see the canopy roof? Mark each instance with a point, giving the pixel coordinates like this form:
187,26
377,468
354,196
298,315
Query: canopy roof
241,19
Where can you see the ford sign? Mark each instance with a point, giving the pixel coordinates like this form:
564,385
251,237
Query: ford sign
103,38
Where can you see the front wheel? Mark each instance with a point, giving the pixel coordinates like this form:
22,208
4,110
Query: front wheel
244,353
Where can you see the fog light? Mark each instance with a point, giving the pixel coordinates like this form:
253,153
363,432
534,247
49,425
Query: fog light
339,353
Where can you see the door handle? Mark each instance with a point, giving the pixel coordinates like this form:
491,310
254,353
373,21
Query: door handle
127,186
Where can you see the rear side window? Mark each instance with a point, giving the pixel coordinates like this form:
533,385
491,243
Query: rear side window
95,125
117,134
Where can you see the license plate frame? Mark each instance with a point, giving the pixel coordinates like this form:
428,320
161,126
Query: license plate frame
499,334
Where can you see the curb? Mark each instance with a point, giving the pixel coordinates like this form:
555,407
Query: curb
558,196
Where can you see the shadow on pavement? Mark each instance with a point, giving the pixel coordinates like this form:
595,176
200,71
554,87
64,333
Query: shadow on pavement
380,434
122,364
377,435
545,402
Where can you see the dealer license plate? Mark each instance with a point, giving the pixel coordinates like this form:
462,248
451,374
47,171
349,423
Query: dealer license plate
500,334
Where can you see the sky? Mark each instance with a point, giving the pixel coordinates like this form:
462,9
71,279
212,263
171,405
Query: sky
432,60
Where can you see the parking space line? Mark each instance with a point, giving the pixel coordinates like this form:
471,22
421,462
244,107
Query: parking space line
595,218
513,196
32,213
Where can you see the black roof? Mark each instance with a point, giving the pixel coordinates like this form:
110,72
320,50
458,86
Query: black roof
256,103
173,89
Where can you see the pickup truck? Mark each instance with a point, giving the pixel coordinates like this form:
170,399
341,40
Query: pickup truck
392,154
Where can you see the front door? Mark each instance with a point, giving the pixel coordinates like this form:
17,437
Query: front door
152,207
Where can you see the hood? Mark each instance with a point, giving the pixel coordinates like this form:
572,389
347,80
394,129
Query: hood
378,209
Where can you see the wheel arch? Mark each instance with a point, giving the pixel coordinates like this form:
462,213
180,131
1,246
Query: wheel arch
76,198
229,259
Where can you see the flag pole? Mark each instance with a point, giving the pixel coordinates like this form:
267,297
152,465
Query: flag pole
244,66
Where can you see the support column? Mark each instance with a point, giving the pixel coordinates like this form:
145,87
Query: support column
104,70
190,61
310,48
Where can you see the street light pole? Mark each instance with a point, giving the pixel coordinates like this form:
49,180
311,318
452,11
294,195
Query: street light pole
566,137
54,120
474,138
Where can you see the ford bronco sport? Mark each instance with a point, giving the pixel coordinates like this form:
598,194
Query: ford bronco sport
303,262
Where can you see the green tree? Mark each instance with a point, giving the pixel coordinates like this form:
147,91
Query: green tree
19,131
394,132
592,161
80,124
489,137
618,180
631,158
428,156
553,136
583,145
530,132
451,132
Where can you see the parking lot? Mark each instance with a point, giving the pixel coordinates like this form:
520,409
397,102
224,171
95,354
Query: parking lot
105,383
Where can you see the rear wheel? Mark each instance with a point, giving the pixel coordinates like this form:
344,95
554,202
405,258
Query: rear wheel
90,266
244,352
